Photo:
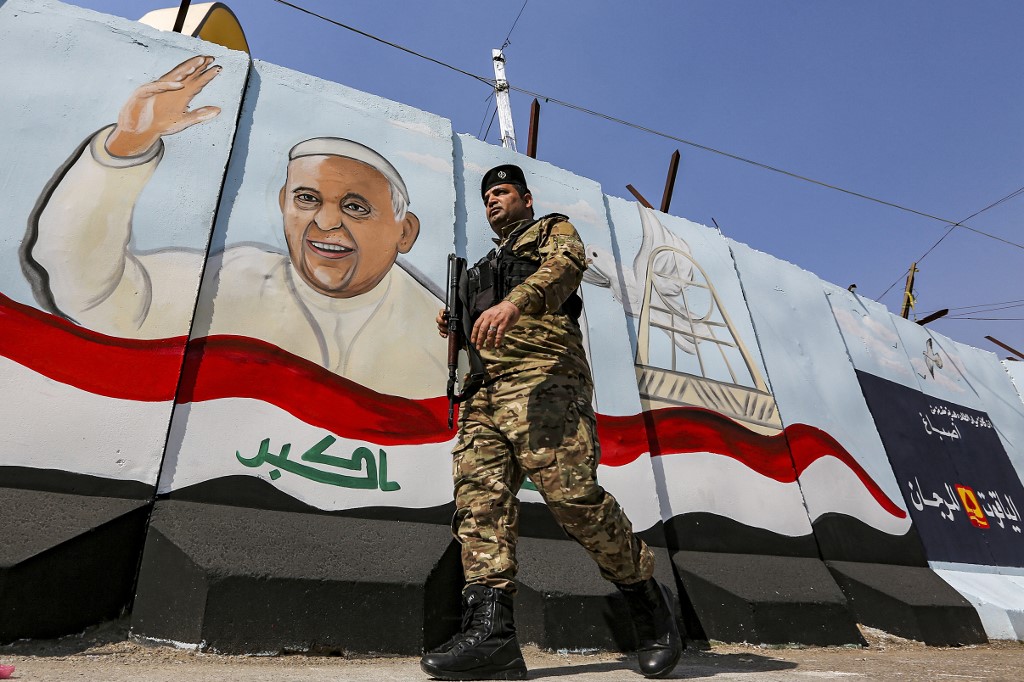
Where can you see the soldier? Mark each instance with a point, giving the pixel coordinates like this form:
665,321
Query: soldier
534,416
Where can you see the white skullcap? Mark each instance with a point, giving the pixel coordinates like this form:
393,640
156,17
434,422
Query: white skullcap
337,146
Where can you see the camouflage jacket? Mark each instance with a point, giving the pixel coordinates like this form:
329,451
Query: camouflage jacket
543,340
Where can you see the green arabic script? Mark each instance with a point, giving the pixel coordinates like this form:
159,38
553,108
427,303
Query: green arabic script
374,470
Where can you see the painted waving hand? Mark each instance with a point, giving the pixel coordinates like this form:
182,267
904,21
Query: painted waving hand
162,107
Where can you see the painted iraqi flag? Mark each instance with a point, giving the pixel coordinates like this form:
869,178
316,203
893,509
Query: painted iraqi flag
237,397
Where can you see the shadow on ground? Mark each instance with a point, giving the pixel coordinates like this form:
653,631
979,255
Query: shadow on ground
695,664
111,632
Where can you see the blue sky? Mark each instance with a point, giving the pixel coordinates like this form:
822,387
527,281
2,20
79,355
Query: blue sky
915,102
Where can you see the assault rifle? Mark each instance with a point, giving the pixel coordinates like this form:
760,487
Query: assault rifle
459,327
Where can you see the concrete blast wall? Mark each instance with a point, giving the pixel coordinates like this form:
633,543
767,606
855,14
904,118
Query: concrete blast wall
222,400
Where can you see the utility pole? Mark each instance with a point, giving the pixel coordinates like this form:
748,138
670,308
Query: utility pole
508,131
531,137
1003,345
934,316
179,20
670,181
908,292
639,197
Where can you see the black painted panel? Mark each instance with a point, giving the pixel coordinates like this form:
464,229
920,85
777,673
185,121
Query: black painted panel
948,460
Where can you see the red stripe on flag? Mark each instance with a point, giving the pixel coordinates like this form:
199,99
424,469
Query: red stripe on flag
676,430
679,430
241,367
130,369
809,444
220,367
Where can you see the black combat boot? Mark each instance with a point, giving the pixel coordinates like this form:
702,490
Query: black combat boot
487,648
660,643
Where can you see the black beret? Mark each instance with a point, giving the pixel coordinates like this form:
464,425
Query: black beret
502,175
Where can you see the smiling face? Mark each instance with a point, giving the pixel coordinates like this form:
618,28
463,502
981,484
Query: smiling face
504,205
340,225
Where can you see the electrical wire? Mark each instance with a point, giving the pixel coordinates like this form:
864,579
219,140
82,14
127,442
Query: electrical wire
998,306
991,319
1018,301
484,138
487,108
765,166
952,227
987,310
658,133
414,53
508,40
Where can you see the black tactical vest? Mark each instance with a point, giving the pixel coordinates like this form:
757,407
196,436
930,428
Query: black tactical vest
500,271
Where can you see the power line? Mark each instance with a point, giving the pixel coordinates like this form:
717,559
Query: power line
386,42
1019,301
488,132
766,166
658,133
508,40
982,307
991,319
988,310
487,108
952,227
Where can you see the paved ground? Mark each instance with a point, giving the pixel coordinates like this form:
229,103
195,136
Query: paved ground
105,657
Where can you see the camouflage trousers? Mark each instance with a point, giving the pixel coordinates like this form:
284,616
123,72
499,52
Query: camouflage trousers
542,426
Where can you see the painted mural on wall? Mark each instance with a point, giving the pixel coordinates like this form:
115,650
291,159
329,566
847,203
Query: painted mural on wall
726,474
96,307
696,375
847,485
624,466
314,368
946,451
79,254
995,390
314,372
712,412
687,349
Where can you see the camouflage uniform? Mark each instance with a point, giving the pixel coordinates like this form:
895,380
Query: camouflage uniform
535,417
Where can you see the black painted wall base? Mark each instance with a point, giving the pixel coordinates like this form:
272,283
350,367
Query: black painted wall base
564,603
908,601
766,599
240,580
66,561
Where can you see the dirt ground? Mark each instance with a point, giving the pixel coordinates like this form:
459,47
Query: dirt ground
103,654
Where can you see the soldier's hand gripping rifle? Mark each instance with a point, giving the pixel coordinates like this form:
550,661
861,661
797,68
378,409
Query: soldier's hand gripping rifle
459,328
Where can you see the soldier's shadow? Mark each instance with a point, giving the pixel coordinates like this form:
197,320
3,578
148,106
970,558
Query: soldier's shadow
693,665
565,670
